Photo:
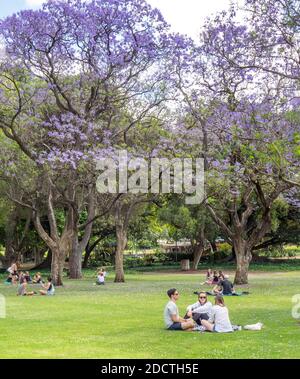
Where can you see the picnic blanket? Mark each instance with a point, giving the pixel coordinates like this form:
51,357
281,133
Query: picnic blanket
229,294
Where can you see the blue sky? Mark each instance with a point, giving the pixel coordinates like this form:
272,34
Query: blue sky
8,7
185,16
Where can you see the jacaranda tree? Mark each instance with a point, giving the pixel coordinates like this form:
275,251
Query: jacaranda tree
78,76
243,120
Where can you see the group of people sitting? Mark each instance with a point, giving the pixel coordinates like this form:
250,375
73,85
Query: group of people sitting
222,285
22,279
203,316
200,316
213,277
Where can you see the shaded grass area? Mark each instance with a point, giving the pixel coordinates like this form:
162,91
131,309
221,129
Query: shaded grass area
125,320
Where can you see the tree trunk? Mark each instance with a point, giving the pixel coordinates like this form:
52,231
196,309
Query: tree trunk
199,248
75,261
75,255
36,256
123,213
233,254
243,258
59,254
87,255
88,250
57,266
11,238
59,246
78,247
214,246
198,251
121,235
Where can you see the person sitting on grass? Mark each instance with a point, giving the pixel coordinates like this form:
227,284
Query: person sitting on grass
218,321
224,287
100,278
28,277
49,289
215,278
37,278
209,277
15,279
171,314
104,272
200,310
13,269
22,289
21,277
221,276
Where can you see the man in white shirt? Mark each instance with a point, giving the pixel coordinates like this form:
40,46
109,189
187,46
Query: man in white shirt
171,314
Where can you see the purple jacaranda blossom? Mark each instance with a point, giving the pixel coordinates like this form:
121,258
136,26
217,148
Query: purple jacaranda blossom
92,68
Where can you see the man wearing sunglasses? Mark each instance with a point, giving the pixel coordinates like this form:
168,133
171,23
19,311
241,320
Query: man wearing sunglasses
171,314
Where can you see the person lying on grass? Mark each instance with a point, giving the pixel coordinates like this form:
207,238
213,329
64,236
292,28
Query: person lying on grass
200,310
171,314
219,319
49,289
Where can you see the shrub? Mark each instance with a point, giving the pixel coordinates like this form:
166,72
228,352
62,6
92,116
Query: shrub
225,248
177,257
292,253
276,252
130,262
292,250
149,259
161,256
102,256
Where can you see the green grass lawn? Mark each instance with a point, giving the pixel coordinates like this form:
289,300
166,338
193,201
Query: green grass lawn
125,320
